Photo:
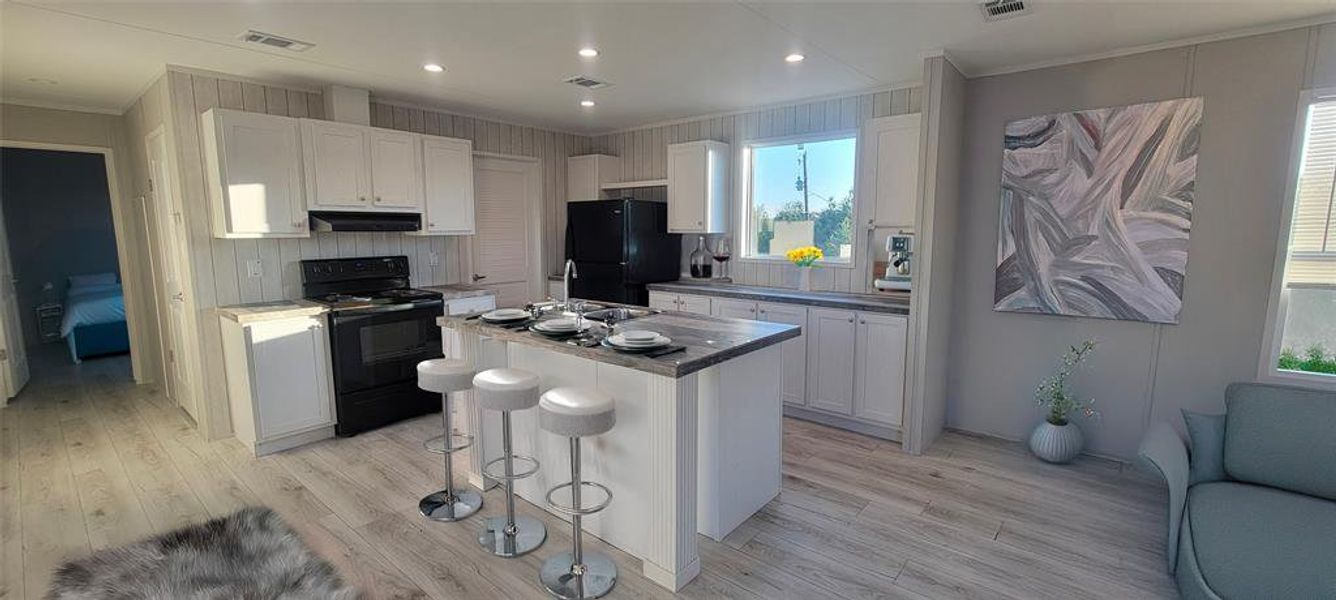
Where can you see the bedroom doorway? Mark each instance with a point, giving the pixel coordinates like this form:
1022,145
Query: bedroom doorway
61,296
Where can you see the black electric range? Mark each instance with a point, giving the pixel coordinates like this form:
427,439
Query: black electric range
379,330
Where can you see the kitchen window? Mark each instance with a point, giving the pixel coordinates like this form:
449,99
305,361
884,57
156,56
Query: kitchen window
1302,323
800,192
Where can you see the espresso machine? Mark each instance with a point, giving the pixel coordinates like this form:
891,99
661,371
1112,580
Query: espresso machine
900,248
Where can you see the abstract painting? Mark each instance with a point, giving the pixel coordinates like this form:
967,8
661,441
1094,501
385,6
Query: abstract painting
1096,211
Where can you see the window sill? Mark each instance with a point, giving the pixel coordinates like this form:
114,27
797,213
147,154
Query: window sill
1301,378
779,260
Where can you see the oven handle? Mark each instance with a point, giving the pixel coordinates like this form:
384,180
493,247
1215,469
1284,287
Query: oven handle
389,309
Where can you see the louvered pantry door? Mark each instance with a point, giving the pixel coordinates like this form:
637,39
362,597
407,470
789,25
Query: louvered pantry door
503,244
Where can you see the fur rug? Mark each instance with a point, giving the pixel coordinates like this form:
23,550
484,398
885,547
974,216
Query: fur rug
251,554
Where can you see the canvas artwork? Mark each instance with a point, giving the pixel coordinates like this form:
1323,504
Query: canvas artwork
1096,211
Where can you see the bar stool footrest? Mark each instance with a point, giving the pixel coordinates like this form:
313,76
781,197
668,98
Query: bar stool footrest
579,510
459,441
487,468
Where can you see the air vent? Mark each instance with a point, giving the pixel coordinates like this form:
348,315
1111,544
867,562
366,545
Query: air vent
997,10
274,41
587,82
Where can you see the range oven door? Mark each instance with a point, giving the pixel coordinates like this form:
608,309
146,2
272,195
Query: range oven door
381,347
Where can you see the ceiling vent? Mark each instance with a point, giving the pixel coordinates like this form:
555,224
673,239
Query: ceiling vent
587,82
997,10
274,41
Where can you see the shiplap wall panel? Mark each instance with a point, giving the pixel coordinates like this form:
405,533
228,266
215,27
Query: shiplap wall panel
644,156
550,148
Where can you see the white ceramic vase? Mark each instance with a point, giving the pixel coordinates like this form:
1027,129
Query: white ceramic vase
1056,443
805,279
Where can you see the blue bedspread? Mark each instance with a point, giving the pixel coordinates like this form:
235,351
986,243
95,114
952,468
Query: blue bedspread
92,305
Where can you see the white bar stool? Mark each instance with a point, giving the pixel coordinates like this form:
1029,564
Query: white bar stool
447,376
576,412
507,390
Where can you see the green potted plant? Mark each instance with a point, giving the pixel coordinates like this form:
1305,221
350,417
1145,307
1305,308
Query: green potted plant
1057,439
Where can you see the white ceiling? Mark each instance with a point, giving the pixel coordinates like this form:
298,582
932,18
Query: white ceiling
507,60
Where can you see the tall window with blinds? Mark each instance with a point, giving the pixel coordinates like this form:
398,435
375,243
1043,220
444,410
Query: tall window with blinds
1303,327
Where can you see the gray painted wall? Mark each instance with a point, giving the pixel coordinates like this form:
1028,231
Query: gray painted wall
1141,372
58,217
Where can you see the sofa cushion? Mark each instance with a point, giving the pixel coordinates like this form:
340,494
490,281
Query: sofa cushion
1252,541
1207,434
1281,436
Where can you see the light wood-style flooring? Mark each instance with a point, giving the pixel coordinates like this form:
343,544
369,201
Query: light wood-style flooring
88,460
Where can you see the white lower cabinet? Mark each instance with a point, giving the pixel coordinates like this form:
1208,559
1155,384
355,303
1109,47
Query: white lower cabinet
795,350
700,305
847,365
830,360
279,382
879,368
733,309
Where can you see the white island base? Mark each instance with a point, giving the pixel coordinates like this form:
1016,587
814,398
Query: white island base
696,453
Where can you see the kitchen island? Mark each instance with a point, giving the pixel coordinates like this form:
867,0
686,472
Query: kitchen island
696,447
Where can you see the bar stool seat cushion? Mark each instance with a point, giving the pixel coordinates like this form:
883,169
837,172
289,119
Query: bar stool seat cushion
505,389
445,375
576,411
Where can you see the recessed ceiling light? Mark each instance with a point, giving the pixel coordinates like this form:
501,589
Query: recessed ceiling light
432,68
587,103
588,52
794,58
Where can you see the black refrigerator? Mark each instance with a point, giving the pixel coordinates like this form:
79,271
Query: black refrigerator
619,246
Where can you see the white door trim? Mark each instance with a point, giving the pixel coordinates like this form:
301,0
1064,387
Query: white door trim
533,222
129,271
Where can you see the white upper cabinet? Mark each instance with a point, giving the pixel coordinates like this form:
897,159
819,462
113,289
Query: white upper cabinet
890,169
447,168
338,176
879,383
698,179
396,170
254,174
585,175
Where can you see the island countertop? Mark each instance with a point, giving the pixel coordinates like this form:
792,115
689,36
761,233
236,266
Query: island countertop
709,340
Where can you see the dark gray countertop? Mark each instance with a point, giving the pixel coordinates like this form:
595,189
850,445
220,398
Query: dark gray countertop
708,340
890,302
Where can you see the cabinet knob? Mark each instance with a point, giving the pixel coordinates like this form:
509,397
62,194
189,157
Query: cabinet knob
851,319
751,310
699,223
378,199
762,311
862,321
361,199
431,224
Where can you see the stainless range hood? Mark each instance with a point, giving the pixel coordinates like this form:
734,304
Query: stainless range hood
364,221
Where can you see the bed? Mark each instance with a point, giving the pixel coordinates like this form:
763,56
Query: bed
94,320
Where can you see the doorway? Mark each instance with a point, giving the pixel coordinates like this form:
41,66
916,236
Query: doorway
62,264
505,253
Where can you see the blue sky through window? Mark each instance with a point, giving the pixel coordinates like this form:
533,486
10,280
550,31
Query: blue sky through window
775,169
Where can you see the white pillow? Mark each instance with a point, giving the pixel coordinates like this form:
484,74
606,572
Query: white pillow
95,279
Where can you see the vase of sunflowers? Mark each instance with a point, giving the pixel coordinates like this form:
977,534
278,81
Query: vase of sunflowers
804,258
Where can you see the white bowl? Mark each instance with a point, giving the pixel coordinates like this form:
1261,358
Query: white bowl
640,336
622,342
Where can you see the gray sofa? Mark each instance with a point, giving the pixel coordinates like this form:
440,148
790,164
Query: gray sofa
1253,514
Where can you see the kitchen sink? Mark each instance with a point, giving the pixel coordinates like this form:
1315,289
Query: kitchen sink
618,314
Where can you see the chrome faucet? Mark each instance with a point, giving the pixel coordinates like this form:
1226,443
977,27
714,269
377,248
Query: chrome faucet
566,278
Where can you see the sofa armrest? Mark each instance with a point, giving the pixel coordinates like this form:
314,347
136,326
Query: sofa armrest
1165,452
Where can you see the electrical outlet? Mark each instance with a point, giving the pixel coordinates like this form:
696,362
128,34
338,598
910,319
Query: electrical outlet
254,268
434,259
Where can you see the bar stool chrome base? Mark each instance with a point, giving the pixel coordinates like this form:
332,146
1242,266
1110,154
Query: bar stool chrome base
528,535
446,507
559,577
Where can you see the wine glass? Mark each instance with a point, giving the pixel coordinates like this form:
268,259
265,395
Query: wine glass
723,250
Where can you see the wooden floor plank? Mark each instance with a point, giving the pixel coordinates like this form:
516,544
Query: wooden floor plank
856,518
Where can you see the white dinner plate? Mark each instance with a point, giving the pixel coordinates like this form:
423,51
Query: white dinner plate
635,349
505,314
619,341
546,327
